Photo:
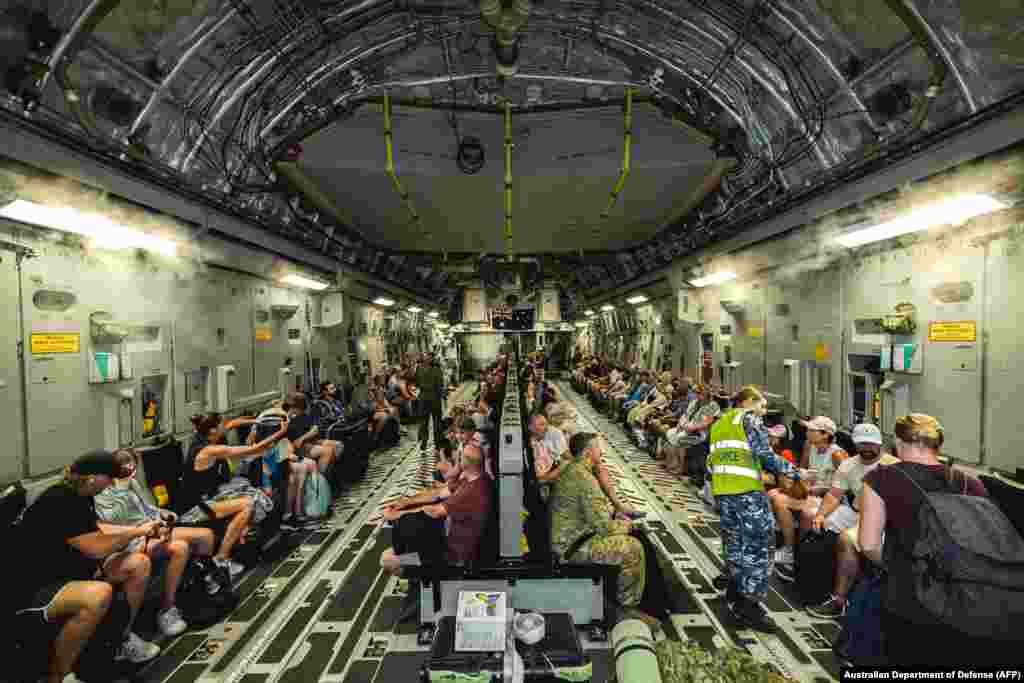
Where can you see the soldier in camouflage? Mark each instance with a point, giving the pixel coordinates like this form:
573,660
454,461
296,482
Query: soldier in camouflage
739,452
579,507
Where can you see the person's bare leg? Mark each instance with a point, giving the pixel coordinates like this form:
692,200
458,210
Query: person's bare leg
201,542
301,470
177,558
389,562
847,566
81,606
131,572
784,516
240,512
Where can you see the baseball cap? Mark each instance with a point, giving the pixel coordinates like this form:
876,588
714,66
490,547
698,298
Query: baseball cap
778,431
821,424
867,433
98,462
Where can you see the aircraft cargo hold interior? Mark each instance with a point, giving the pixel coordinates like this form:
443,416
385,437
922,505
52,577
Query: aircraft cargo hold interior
361,341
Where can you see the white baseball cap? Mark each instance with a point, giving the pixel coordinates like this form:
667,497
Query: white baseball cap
867,433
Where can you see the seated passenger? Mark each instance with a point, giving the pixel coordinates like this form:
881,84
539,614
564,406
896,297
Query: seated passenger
443,531
582,521
123,506
889,506
304,435
841,505
562,416
328,408
549,448
280,462
821,456
382,412
692,431
639,392
66,589
209,483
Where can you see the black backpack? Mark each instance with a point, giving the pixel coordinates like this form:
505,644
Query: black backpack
961,565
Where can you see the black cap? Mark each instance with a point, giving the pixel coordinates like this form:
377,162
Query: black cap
96,463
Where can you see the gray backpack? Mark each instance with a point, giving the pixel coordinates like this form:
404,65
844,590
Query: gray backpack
961,565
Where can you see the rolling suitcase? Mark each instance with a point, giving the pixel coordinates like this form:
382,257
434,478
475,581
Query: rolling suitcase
816,566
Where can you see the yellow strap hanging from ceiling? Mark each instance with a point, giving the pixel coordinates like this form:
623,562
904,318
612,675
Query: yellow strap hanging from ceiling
627,155
390,168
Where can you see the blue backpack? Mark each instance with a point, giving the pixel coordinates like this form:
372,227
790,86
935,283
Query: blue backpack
316,496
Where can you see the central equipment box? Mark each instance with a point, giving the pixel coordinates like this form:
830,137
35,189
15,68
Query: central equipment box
557,658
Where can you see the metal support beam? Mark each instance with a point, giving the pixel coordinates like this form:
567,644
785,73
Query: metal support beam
627,149
933,45
94,13
208,29
829,64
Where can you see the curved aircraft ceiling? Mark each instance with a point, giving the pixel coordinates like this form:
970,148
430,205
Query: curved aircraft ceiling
274,107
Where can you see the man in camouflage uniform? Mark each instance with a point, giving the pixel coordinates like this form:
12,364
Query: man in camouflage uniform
580,507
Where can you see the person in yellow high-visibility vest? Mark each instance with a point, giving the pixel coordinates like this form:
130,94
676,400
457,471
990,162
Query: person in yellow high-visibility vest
739,452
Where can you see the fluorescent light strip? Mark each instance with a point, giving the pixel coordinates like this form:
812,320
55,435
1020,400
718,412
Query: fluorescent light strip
582,324
589,311
953,211
300,281
105,233
607,307
414,309
433,314
443,326
715,279
383,301
638,299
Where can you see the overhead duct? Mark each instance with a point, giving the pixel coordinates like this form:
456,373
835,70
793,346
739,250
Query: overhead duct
626,154
390,168
506,23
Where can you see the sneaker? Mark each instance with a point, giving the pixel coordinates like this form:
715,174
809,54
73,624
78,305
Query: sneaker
410,604
234,569
751,614
136,650
833,608
170,622
212,585
785,571
784,555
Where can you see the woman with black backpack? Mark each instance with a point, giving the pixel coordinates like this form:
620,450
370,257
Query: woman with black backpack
928,617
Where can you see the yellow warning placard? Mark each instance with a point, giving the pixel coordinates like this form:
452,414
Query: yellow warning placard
756,332
56,343
958,331
822,352
264,334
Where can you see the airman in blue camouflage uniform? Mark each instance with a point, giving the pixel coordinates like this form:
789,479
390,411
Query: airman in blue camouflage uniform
579,507
739,451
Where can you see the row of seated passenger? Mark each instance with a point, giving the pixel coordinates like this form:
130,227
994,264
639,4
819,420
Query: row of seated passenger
861,494
95,536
